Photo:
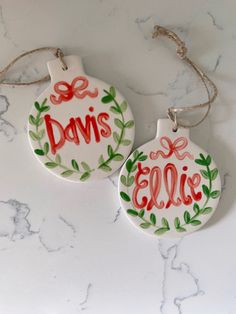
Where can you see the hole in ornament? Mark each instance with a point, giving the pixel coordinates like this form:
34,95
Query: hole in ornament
175,129
65,68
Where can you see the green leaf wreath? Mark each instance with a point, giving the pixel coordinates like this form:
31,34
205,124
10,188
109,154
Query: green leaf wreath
119,137
163,226
82,168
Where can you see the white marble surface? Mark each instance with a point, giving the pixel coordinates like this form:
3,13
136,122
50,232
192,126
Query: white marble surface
68,248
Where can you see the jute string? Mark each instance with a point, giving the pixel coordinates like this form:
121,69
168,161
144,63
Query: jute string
55,51
210,87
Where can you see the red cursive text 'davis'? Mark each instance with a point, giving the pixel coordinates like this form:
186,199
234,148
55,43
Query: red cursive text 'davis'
78,128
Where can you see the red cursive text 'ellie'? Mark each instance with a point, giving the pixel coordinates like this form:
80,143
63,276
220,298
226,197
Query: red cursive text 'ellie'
175,185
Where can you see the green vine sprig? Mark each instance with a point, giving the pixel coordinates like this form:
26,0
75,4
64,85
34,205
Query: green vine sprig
151,220
131,167
121,124
84,170
210,175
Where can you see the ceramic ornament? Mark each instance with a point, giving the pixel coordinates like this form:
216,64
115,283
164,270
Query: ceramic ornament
80,128
169,186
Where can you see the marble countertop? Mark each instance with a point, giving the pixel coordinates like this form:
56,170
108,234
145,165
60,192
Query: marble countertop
69,248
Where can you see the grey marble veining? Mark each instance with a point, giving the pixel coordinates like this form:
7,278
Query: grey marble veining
67,248
7,130
173,297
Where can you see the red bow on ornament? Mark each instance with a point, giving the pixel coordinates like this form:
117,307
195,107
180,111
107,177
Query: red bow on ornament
67,91
174,147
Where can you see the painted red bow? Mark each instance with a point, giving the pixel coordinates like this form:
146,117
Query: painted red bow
67,91
174,147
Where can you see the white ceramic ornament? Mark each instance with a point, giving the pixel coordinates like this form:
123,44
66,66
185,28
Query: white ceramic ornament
80,128
169,186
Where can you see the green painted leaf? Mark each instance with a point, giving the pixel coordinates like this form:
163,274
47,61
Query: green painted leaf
214,174
134,168
143,157
215,194
202,156
118,157
123,106
39,152
130,181
195,222
41,134
205,190
33,135
46,148
45,109
187,217
113,91
200,162
129,124
141,213
51,164
206,210
205,174
105,168
153,219
67,173
208,160
165,223
44,102
110,151
125,196
58,159
119,123
129,165
39,121
32,120
132,212
160,231
115,110
196,208
101,159
107,99
123,180
145,225
126,142
75,164
135,153
37,106
116,137
181,229
177,222
85,176
85,166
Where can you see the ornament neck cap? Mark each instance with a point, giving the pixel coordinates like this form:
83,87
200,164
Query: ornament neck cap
165,127
73,63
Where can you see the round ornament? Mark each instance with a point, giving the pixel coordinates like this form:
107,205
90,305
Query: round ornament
80,128
169,186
